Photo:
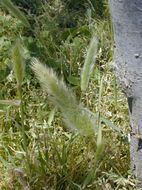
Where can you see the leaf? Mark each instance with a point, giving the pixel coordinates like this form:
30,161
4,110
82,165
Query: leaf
92,173
10,102
112,126
88,178
99,137
89,63
51,116
15,11
73,80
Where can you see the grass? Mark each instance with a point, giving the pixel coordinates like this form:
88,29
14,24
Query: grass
57,157
62,160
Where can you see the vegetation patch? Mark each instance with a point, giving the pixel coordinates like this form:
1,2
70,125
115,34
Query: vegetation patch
72,131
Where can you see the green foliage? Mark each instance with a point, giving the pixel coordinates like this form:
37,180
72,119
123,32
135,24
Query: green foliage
28,5
10,29
55,157
15,11
98,6
19,70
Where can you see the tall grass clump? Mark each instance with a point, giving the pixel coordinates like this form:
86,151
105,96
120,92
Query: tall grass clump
75,115
19,69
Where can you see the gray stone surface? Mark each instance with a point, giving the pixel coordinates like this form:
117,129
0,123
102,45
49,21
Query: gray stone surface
127,27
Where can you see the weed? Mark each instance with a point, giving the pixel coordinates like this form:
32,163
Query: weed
59,157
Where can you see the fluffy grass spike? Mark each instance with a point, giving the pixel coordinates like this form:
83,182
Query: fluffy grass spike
18,62
75,116
89,63
15,11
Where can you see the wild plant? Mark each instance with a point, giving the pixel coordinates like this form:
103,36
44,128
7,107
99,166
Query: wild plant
19,70
75,115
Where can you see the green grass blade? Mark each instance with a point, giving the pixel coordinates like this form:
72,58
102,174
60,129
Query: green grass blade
115,128
92,173
89,63
100,95
51,116
88,178
15,11
10,102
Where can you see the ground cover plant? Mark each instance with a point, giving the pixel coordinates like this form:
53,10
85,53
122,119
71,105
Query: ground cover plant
71,133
